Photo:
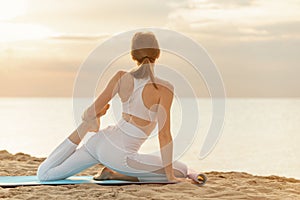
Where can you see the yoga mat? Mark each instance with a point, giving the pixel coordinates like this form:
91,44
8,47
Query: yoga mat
200,179
13,181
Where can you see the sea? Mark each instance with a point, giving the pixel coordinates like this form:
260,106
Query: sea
260,136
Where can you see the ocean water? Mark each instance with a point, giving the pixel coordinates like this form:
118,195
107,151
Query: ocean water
260,136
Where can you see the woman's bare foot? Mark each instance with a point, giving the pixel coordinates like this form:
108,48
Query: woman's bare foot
90,113
108,174
104,174
93,125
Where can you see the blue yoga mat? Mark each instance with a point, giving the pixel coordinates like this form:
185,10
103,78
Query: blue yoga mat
13,181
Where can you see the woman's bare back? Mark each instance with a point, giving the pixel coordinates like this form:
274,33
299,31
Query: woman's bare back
150,96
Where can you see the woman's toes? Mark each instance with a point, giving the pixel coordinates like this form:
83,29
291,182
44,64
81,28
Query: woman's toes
105,174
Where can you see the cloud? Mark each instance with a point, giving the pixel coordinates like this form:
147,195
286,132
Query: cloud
94,17
233,3
237,20
80,37
254,43
219,4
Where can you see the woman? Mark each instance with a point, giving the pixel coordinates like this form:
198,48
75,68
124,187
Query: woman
146,102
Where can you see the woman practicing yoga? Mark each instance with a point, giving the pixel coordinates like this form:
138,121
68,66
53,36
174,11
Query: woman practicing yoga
146,101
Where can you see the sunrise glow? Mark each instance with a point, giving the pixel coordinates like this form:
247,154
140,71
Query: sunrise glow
11,9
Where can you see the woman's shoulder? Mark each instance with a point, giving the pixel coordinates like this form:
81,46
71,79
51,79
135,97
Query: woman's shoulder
164,84
122,74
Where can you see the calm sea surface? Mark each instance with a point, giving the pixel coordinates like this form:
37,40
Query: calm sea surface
260,136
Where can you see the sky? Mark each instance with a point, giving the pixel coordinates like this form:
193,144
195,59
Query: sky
255,43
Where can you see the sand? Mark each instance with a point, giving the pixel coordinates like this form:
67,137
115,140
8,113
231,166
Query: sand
220,185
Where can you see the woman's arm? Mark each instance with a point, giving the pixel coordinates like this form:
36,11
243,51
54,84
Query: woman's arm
102,100
165,137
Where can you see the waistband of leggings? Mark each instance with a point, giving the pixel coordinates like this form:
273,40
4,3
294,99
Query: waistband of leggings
131,130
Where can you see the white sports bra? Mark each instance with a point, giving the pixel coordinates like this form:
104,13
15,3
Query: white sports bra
135,105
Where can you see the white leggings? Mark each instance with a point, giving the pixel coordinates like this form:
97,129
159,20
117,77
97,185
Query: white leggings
66,160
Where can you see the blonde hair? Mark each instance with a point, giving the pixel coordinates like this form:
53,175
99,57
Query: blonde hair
144,50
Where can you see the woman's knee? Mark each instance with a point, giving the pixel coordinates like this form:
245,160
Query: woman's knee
42,173
46,176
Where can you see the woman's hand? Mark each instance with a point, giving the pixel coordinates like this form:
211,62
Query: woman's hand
93,124
90,114
175,179
103,111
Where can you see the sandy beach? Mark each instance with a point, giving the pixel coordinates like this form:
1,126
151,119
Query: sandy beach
220,185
